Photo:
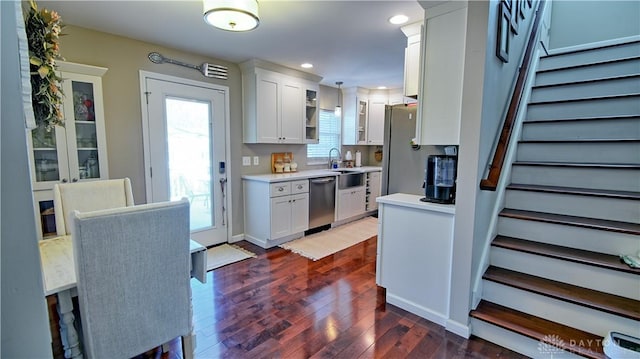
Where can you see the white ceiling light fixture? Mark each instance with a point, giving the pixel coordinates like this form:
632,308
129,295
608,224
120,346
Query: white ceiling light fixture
306,65
231,15
398,19
338,110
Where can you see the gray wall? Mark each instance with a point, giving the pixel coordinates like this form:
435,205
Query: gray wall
25,324
487,87
582,22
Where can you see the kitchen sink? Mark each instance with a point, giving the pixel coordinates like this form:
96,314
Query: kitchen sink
348,179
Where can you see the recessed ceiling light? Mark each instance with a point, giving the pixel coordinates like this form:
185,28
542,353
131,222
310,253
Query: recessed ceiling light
398,19
306,65
382,87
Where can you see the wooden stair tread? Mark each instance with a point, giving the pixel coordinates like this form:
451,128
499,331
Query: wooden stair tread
613,304
596,259
593,223
575,191
591,118
559,335
623,166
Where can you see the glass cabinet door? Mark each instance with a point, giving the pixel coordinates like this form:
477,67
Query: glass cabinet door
49,157
362,121
85,155
311,121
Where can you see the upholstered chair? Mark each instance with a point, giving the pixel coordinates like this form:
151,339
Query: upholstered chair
88,196
132,266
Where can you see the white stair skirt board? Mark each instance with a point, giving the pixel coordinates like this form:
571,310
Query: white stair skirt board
226,254
586,276
518,343
327,242
573,315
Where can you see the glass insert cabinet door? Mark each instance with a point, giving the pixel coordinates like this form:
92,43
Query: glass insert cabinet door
76,151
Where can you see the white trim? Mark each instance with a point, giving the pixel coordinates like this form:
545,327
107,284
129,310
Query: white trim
144,75
591,45
237,238
417,309
463,330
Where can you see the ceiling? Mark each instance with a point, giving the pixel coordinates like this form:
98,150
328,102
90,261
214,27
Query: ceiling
349,41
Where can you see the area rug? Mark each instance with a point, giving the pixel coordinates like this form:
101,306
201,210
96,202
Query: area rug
226,254
322,244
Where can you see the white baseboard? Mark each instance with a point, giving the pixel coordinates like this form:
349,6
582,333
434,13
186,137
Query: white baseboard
236,238
272,243
591,45
463,330
417,309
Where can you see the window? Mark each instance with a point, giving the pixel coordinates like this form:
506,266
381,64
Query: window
329,137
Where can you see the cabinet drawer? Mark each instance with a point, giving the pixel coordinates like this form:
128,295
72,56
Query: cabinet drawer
301,186
279,189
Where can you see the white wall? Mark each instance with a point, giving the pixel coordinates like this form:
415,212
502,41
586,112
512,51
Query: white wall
25,324
582,22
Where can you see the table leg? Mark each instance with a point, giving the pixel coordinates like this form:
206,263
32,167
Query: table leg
189,340
68,333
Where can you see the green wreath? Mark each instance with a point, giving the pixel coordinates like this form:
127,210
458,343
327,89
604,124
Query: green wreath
43,30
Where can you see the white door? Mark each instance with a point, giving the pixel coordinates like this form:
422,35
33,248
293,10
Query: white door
185,151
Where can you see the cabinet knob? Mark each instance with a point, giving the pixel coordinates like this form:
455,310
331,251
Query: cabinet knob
280,189
64,180
74,180
300,186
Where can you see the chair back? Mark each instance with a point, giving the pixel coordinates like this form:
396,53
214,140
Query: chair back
88,196
132,266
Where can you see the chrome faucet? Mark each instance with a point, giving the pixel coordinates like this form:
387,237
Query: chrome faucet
331,161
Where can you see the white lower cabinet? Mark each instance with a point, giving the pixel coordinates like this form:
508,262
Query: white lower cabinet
415,242
351,202
275,212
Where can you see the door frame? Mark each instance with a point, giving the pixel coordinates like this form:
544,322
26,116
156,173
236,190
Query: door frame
144,75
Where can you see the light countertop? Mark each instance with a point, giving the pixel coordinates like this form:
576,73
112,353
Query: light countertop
413,201
292,176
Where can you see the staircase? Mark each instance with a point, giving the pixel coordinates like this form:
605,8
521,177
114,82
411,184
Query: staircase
555,285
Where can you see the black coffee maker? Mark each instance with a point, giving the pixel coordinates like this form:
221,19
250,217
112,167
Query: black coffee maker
440,179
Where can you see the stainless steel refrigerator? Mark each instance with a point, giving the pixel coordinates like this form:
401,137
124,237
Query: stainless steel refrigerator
402,165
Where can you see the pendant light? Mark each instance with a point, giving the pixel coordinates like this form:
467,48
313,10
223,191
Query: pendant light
231,15
338,110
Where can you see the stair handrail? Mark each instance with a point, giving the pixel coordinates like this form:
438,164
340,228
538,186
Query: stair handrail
490,183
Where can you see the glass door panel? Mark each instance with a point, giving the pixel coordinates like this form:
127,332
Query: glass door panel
189,150
45,154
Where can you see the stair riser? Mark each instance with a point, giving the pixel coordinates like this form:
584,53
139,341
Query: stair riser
612,87
616,129
581,177
590,57
573,315
575,237
622,106
589,152
600,279
516,342
574,205
601,71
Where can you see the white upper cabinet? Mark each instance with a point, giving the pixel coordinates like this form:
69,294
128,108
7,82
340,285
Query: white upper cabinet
440,94
363,116
412,59
77,151
275,103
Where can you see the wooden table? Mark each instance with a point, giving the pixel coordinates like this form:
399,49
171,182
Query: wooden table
59,276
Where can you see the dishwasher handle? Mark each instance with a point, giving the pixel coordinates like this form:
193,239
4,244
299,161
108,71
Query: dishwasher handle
322,180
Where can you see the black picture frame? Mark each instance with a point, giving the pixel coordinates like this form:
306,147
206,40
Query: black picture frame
503,35
523,7
515,23
530,4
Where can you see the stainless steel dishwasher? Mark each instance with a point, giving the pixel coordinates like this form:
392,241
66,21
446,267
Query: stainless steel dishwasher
322,201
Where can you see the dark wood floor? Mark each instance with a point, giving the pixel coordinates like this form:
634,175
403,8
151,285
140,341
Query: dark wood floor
281,305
